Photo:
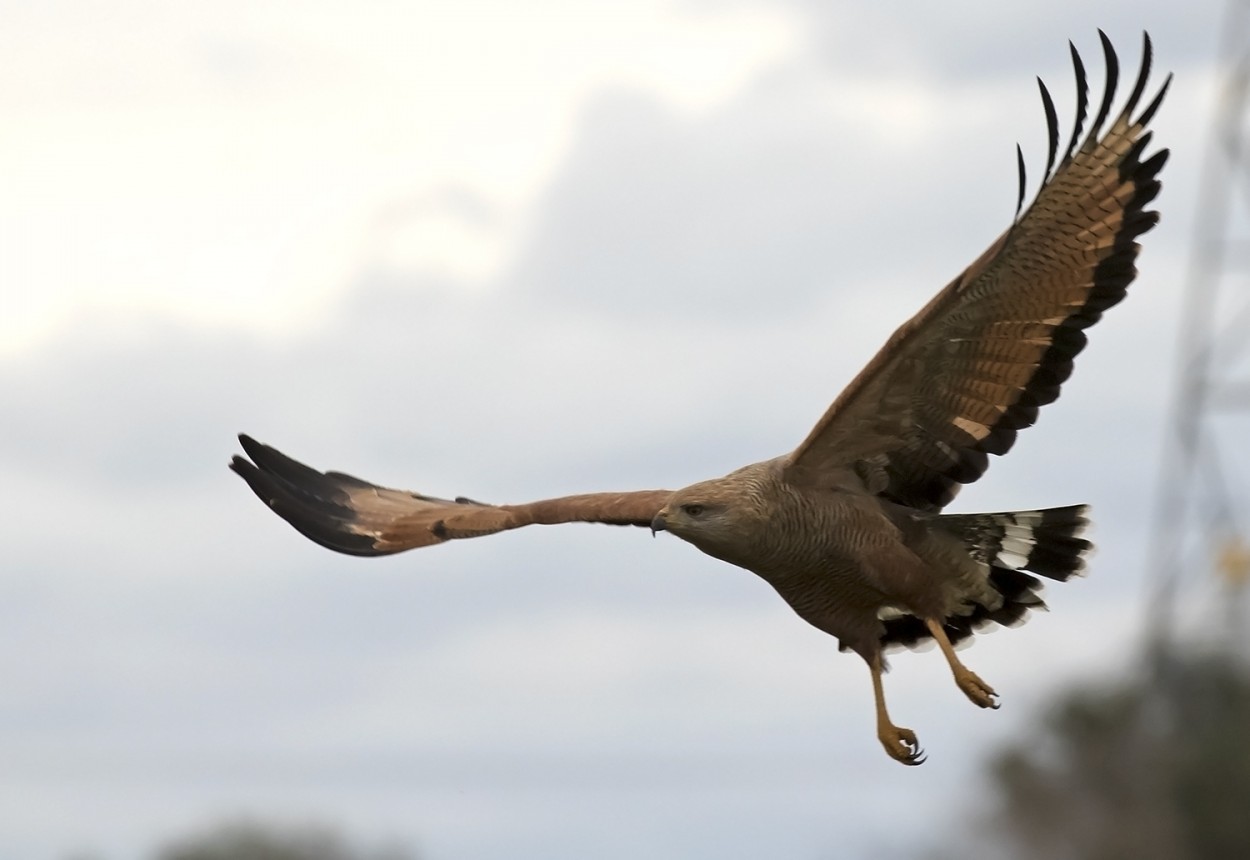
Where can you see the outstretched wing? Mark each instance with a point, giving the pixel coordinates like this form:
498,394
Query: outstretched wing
355,517
957,381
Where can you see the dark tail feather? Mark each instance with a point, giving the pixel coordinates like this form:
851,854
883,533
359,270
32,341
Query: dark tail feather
1048,543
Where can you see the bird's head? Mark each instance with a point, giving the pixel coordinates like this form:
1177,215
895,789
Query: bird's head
717,516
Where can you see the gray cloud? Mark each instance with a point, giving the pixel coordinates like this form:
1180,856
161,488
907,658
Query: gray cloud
964,42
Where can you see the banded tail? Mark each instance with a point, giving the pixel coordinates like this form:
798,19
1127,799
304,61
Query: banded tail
1046,542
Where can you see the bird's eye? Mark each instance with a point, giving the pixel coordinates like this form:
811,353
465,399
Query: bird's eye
692,510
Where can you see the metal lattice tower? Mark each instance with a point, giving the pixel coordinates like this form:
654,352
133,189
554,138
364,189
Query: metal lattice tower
1200,528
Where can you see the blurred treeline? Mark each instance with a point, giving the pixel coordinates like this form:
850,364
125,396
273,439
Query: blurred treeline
246,840
1153,768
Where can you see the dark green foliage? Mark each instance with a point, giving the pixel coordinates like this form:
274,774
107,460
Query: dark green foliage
1155,769
252,841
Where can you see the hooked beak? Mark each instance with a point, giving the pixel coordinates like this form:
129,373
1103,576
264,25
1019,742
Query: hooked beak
659,524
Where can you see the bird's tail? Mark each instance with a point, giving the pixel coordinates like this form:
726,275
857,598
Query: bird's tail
1046,542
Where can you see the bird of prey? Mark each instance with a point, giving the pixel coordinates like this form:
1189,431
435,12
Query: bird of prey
848,527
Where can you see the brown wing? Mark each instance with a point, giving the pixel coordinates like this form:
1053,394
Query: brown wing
957,381
355,517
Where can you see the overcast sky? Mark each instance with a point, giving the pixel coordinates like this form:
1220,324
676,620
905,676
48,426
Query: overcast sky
511,250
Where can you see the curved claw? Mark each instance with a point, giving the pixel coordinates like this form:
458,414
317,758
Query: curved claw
901,745
978,692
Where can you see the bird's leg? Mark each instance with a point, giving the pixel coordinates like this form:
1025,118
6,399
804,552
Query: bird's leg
900,744
978,692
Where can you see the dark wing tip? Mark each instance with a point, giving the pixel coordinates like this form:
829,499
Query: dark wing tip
1052,131
1107,46
1112,83
1143,75
1022,179
242,466
1149,112
1113,274
1082,100
315,504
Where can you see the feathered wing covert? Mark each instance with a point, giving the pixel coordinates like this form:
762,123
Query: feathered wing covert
957,381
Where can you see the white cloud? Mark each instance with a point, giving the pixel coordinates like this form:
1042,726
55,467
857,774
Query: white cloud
232,167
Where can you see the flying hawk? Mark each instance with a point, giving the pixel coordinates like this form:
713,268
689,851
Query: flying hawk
848,527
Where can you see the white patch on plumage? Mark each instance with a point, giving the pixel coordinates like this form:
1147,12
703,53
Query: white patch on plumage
1012,559
1014,552
1019,532
1017,541
1013,543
